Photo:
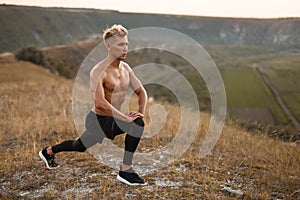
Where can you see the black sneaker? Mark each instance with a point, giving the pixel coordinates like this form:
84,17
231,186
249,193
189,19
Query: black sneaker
48,159
130,177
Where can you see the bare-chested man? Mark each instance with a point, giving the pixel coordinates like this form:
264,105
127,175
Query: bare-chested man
109,81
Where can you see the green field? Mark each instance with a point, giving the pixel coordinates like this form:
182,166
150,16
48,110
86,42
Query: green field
284,74
246,90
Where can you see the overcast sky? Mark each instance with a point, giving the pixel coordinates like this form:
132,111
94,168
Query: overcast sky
218,8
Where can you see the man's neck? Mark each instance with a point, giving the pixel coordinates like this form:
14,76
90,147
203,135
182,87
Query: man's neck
113,62
116,63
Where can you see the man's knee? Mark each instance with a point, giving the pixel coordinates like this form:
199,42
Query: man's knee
78,145
139,121
137,128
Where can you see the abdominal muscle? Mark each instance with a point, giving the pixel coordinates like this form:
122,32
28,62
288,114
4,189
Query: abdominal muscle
116,99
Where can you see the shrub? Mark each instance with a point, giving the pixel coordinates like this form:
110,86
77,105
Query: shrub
31,54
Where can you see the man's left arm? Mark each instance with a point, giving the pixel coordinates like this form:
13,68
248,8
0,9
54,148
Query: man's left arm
139,90
142,99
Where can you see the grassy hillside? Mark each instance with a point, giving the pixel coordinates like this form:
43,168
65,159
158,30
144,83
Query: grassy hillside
36,111
23,26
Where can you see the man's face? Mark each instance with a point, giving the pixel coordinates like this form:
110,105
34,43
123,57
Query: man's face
118,47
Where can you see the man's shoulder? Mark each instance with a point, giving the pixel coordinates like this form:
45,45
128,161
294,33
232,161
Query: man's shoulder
100,66
98,69
126,66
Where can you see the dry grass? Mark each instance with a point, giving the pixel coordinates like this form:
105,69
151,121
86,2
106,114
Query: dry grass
35,110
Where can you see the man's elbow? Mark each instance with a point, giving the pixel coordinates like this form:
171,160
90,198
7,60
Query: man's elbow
102,105
145,94
141,91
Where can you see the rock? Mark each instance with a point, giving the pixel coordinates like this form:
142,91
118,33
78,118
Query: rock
231,191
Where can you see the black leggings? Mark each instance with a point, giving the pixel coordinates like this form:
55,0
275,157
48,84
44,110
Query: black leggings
98,127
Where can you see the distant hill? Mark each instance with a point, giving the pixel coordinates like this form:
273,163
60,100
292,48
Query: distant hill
23,26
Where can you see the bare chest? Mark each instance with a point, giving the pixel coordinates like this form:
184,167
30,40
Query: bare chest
116,80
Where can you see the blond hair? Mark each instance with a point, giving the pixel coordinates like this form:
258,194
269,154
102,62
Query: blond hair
115,30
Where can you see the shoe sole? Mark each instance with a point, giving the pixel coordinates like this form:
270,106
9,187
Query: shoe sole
128,183
45,161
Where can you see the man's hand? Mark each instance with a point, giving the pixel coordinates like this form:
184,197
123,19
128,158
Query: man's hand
131,116
134,114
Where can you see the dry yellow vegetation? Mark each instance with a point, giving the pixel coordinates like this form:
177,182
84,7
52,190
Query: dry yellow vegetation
35,111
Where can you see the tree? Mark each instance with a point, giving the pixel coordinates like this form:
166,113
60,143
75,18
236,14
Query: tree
31,54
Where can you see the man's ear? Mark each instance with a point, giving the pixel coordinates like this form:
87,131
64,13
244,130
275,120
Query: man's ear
107,44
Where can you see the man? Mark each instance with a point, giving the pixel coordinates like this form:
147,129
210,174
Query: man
109,81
